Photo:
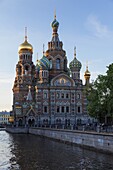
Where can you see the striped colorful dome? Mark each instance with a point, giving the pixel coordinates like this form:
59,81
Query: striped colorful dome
55,23
75,64
43,62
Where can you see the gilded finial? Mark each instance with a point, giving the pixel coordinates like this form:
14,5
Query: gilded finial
25,33
55,14
43,49
75,52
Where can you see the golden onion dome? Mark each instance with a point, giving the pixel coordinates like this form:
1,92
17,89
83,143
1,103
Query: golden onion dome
87,73
25,46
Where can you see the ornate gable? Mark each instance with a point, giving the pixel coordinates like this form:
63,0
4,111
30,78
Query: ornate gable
62,80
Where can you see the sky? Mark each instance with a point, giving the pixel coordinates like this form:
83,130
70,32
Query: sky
86,24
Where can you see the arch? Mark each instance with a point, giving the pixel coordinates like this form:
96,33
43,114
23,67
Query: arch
57,63
26,68
31,122
57,80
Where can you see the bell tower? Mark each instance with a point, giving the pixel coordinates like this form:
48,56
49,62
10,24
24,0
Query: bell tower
25,76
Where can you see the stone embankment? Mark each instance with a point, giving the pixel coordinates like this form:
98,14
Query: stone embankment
90,140
17,130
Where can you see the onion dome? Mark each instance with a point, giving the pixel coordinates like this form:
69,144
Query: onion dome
44,62
75,64
87,73
25,45
55,23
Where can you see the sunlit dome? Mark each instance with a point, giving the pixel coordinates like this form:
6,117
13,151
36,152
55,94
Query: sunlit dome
87,73
25,46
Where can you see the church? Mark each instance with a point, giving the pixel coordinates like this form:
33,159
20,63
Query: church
49,93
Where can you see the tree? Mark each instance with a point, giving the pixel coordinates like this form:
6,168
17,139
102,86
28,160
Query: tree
97,98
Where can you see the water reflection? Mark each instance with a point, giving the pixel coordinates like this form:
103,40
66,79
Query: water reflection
29,152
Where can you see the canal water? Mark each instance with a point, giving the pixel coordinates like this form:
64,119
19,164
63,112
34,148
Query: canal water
30,152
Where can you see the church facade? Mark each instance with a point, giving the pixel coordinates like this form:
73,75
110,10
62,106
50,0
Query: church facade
49,93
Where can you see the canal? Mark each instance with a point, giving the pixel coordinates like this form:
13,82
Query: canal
30,152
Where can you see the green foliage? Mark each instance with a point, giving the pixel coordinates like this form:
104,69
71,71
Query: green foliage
100,96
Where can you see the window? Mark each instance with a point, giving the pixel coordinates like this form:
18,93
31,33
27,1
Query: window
78,109
50,64
58,109
45,109
67,95
62,95
67,109
78,96
72,96
58,64
45,95
63,109
26,70
57,95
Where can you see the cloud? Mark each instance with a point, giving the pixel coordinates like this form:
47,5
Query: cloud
97,28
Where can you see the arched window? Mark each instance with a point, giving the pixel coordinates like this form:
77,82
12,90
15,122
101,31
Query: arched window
79,109
67,109
62,109
58,109
50,61
26,69
45,109
58,64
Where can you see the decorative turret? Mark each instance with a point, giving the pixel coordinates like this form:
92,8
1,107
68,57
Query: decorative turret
75,66
87,76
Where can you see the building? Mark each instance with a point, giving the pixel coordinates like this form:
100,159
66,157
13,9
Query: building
4,117
49,93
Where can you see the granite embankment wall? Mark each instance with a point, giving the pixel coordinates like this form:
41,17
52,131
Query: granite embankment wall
17,130
91,140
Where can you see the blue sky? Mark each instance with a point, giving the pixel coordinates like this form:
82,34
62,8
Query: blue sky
86,24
